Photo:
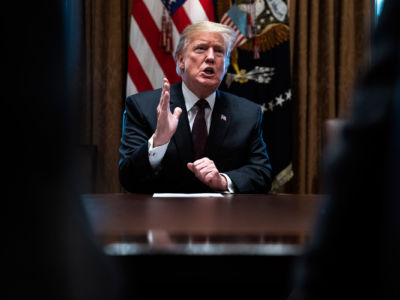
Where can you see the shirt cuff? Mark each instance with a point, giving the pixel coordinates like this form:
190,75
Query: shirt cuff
230,184
156,154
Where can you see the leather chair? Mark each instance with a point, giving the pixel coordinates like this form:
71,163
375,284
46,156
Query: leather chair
331,131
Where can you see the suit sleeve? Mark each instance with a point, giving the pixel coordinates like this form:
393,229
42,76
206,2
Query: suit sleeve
255,176
135,171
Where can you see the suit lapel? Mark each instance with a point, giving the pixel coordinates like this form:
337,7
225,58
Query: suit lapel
220,120
182,137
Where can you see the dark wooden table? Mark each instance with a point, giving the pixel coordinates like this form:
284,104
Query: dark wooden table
243,223
236,244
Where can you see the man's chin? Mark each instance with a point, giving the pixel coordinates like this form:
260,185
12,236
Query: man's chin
203,87
210,82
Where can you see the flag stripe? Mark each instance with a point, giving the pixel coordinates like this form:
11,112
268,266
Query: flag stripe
208,7
156,10
150,31
195,11
130,87
224,18
145,56
139,79
240,39
181,19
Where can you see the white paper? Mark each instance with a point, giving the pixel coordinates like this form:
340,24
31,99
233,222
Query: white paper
183,195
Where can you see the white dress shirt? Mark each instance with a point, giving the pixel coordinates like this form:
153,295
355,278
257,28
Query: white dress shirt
156,154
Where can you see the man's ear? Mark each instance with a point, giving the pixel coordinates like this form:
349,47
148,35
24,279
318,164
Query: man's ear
181,63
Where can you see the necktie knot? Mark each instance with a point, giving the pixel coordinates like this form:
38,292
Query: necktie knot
202,104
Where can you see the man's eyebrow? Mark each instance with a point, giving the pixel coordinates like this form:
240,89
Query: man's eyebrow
204,43
197,42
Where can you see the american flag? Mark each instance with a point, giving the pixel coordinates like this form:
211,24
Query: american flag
238,21
148,62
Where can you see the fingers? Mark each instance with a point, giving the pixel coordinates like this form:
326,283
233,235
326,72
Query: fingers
210,176
199,164
206,171
177,112
203,168
167,122
164,100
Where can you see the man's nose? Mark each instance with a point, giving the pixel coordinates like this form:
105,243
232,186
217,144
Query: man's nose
210,55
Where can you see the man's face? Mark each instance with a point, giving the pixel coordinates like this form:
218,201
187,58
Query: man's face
202,64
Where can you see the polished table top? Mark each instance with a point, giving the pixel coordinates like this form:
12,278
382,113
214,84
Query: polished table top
255,224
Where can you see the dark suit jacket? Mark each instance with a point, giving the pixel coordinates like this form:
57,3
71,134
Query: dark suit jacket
234,143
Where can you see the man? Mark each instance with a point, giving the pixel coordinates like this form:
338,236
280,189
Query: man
158,151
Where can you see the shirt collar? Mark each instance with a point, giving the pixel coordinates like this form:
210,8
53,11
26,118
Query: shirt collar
191,98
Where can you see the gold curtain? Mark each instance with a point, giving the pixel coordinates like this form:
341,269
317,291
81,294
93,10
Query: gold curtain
106,38
329,39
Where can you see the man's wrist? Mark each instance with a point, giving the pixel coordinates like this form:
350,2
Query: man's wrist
229,185
224,183
157,141
156,154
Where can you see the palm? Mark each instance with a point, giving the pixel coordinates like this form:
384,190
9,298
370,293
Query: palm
167,122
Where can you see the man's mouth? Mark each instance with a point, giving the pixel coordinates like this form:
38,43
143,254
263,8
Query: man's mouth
209,71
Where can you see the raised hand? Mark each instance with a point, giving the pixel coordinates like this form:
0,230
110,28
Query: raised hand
167,122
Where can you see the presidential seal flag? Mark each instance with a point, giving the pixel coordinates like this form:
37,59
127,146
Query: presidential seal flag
260,72
154,33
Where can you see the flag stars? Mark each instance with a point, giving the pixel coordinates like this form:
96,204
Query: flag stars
288,94
271,105
278,101
264,108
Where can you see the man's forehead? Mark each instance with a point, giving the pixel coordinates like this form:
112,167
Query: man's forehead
207,37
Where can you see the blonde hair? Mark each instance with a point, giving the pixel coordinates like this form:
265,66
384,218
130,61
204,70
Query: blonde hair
227,33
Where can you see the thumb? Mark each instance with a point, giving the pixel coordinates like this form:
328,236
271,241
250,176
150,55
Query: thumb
177,112
190,166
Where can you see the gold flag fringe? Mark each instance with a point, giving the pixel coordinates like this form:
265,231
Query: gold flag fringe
280,179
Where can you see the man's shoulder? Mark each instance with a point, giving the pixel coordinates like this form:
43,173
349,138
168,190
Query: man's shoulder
150,97
238,101
145,101
144,96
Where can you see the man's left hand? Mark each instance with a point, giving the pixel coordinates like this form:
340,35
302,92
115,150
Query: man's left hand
206,171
